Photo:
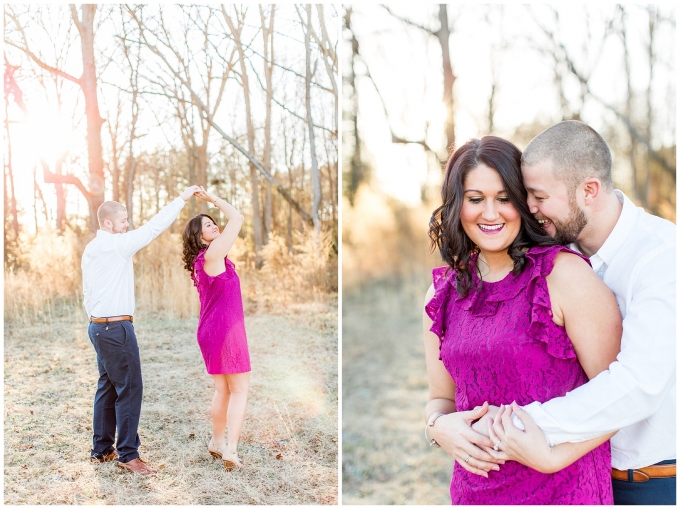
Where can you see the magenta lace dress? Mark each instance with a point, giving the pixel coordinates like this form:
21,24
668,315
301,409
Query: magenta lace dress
221,332
499,344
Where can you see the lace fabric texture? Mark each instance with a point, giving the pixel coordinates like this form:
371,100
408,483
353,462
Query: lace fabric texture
221,331
499,344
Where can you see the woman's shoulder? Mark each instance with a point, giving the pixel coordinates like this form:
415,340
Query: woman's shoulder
547,259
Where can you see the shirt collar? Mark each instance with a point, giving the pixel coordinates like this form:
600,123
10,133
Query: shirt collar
622,229
101,233
624,225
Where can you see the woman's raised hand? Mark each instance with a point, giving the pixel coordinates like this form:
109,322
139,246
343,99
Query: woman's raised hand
205,195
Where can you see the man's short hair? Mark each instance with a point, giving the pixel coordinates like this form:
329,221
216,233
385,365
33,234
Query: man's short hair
576,152
108,210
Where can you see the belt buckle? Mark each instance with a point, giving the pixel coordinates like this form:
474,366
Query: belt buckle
642,476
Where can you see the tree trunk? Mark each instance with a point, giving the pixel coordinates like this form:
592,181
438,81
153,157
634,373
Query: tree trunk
61,196
88,83
201,173
449,78
254,181
310,125
10,175
268,37
629,107
130,186
651,10
357,169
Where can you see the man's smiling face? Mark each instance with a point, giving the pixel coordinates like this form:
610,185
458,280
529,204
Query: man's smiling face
551,203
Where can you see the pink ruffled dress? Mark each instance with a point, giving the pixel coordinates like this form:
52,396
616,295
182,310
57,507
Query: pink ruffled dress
221,332
499,344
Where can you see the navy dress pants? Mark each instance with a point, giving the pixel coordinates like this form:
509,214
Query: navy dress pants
118,401
652,492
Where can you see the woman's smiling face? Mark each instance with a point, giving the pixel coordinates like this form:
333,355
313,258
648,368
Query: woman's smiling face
209,230
487,216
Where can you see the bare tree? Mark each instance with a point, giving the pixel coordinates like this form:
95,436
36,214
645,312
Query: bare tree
357,169
84,22
561,54
310,123
208,115
236,32
442,35
268,44
11,88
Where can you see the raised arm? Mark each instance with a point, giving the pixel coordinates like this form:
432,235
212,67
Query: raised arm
452,431
129,243
219,248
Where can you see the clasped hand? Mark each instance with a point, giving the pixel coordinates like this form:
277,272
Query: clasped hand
527,446
454,433
204,195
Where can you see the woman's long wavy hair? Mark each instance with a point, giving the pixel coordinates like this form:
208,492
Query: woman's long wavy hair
191,240
446,231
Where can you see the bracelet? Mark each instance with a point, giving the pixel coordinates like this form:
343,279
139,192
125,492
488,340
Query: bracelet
430,423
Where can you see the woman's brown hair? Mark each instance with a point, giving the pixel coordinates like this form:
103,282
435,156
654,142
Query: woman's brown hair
191,240
446,232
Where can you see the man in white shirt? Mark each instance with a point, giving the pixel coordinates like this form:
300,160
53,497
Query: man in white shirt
567,173
108,288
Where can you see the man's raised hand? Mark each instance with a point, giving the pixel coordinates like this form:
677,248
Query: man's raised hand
189,192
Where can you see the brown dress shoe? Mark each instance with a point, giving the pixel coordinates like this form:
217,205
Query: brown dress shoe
137,466
103,459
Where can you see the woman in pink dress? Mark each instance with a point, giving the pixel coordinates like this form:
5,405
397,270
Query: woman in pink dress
221,333
512,317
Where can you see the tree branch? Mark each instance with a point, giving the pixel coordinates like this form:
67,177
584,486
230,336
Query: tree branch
42,64
409,22
286,108
207,116
54,178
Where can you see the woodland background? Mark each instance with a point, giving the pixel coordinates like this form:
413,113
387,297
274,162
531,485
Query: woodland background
417,83
133,103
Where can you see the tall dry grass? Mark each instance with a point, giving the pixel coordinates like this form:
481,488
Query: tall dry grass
386,272
290,438
49,283
384,240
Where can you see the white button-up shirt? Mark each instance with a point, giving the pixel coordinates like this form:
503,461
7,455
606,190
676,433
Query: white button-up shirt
108,276
637,394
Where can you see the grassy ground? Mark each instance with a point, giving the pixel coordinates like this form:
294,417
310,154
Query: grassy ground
289,441
386,459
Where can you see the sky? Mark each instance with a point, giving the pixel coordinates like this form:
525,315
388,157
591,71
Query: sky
47,131
406,65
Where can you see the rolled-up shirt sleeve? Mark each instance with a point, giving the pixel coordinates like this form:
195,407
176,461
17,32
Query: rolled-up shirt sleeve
127,244
636,384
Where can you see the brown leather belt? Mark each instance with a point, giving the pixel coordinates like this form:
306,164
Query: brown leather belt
646,473
123,318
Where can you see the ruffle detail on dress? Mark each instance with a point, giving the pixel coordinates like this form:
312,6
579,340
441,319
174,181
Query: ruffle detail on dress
199,262
435,309
540,262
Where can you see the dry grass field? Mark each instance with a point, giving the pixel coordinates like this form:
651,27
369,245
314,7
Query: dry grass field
386,459
289,441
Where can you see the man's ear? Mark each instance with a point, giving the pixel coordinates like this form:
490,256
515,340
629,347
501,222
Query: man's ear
591,190
107,224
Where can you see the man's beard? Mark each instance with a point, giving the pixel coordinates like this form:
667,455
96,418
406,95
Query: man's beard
568,231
